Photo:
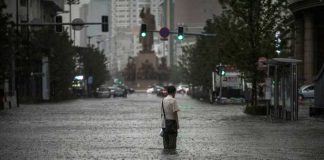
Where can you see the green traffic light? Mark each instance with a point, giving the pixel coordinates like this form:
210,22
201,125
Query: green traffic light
143,30
223,73
180,33
180,37
143,34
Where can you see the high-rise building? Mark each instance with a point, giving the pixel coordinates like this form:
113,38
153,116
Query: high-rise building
122,40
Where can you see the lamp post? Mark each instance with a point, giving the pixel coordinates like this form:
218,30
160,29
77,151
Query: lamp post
90,37
98,44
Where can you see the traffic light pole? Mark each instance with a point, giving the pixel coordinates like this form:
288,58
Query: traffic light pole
54,24
219,99
189,34
220,89
70,7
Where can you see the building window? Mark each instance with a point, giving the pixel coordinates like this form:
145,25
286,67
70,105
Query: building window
23,3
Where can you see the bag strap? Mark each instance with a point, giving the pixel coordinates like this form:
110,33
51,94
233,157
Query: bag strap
163,110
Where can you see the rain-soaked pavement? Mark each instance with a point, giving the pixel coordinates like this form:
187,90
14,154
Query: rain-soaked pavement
128,129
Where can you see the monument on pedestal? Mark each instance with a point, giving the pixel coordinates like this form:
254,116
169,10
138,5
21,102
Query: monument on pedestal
145,68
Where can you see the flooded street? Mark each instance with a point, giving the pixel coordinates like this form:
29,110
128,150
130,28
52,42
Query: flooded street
128,128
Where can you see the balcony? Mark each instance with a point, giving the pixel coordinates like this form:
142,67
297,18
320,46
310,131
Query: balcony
299,5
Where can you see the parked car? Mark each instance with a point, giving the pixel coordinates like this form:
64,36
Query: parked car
162,92
154,89
102,92
150,90
118,92
306,91
128,89
182,88
131,90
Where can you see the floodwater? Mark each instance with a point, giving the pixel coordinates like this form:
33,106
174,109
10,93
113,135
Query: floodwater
128,128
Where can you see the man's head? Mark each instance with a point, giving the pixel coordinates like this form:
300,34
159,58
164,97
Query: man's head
171,90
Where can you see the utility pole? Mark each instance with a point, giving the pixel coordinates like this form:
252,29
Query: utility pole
70,9
89,39
98,45
13,81
219,99
70,2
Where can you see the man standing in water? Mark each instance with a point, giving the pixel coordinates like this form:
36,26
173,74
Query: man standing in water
170,113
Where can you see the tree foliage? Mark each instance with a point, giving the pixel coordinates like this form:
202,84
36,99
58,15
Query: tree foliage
94,64
60,52
245,31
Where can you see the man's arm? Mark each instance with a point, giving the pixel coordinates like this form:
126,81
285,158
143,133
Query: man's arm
176,115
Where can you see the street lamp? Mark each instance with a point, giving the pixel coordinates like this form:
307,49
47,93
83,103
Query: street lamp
89,38
100,41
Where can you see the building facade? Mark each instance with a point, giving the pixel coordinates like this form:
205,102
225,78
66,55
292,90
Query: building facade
122,40
29,11
308,37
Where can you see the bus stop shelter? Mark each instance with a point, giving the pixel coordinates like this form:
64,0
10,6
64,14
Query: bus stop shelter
281,88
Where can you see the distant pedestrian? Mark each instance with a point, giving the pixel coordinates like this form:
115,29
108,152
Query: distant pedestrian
170,121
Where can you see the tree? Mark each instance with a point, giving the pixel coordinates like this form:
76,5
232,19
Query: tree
60,52
94,64
200,59
245,31
250,33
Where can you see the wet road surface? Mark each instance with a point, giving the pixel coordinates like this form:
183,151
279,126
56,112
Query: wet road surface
119,128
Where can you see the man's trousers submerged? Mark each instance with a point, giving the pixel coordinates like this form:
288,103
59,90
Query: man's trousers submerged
170,140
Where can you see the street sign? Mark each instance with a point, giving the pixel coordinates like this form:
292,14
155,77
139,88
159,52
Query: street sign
164,32
77,24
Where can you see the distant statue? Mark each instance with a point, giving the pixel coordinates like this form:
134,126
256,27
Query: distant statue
146,71
149,20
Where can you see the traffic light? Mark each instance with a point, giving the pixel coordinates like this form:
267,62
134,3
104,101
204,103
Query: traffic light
104,25
58,26
143,31
220,70
180,33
